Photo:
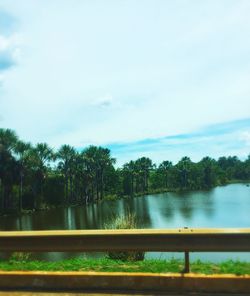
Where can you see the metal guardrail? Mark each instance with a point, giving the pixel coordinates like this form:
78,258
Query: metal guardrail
172,240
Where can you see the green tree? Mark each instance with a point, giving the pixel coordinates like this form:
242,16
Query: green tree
143,166
22,151
164,169
209,170
8,166
184,169
67,155
40,158
98,160
128,173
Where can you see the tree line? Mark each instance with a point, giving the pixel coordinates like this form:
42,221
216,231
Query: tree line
36,177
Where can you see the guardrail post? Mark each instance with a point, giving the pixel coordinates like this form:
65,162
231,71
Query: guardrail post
187,265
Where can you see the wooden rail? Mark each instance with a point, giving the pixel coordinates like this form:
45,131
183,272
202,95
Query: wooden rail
172,240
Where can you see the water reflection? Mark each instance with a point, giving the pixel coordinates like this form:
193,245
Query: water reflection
213,208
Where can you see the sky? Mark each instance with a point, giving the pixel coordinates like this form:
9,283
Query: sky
156,78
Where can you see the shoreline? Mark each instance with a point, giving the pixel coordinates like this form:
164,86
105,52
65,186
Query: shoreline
115,197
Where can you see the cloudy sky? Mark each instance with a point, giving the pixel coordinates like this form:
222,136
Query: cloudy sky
156,78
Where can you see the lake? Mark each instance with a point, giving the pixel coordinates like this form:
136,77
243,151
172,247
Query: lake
222,207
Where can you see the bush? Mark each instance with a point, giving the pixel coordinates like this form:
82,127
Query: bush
127,221
20,256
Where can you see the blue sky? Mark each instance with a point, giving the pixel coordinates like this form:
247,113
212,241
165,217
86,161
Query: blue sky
157,78
230,138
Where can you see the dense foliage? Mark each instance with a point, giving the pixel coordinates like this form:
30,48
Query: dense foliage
36,177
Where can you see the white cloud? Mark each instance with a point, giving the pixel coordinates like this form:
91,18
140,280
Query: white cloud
11,42
94,72
10,51
103,101
245,137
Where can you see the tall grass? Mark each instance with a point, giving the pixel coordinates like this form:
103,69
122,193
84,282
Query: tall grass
126,221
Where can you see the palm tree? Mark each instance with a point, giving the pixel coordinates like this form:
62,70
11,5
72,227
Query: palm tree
84,178
8,140
66,155
8,165
98,159
208,166
128,172
22,150
41,156
90,155
105,161
183,167
143,166
165,167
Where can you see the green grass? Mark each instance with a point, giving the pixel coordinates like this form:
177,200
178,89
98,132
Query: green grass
108,265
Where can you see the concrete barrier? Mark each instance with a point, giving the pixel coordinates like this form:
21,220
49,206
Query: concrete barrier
117,281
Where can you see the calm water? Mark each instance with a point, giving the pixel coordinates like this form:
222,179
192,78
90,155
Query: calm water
227,206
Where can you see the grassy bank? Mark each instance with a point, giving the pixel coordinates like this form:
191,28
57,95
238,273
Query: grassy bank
108,265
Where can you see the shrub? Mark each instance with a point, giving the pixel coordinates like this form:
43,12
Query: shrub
127,221
20,256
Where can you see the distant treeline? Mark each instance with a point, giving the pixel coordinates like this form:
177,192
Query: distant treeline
36,177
